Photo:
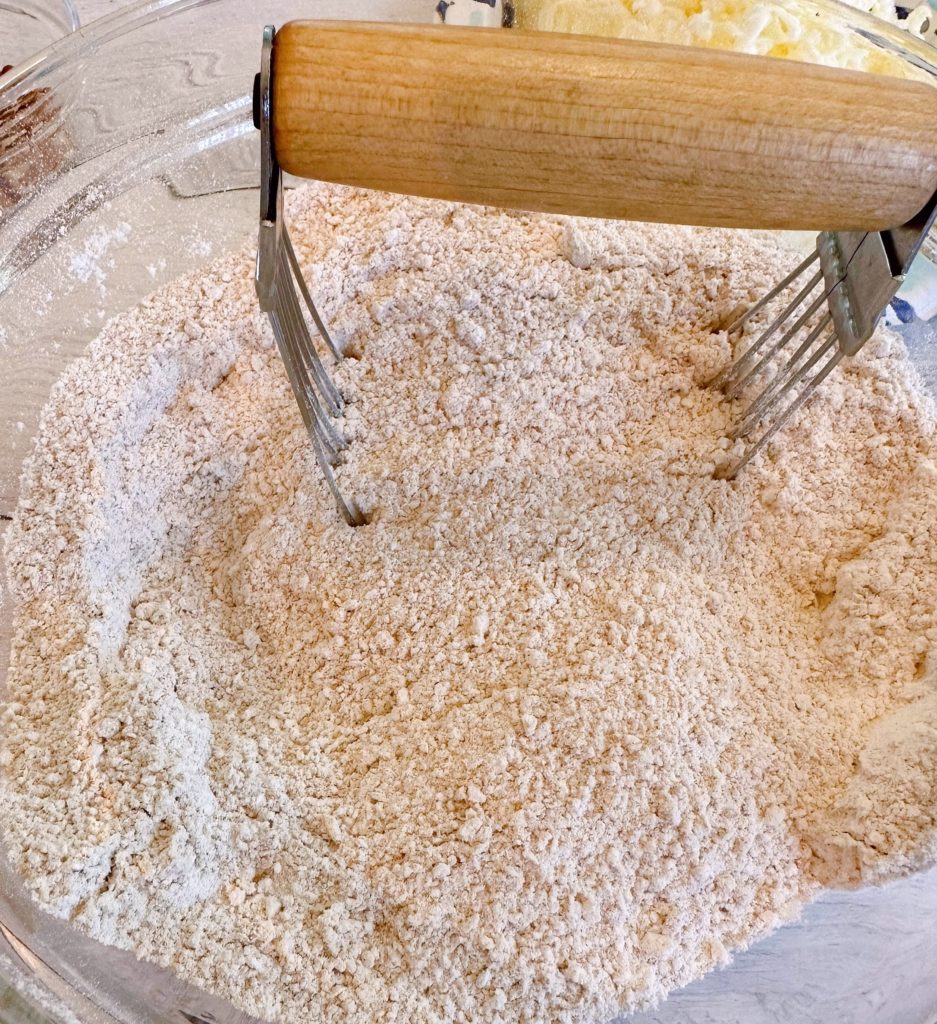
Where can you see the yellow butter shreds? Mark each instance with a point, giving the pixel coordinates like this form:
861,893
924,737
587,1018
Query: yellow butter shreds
791,30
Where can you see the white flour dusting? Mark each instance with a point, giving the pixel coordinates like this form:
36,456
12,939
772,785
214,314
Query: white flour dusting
93,260
568,722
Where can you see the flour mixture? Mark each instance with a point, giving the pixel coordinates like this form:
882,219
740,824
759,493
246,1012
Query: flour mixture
566,724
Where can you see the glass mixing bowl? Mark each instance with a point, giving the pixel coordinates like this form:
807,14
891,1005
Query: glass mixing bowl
127,157
28,25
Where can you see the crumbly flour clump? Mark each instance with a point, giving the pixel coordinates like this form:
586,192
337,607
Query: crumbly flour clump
563,726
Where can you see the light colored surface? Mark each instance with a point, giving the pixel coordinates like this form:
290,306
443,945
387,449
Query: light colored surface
808,972
811,972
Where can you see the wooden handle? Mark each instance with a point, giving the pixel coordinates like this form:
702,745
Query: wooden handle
601,127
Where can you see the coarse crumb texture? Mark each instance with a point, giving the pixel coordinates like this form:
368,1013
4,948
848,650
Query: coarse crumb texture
563,726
